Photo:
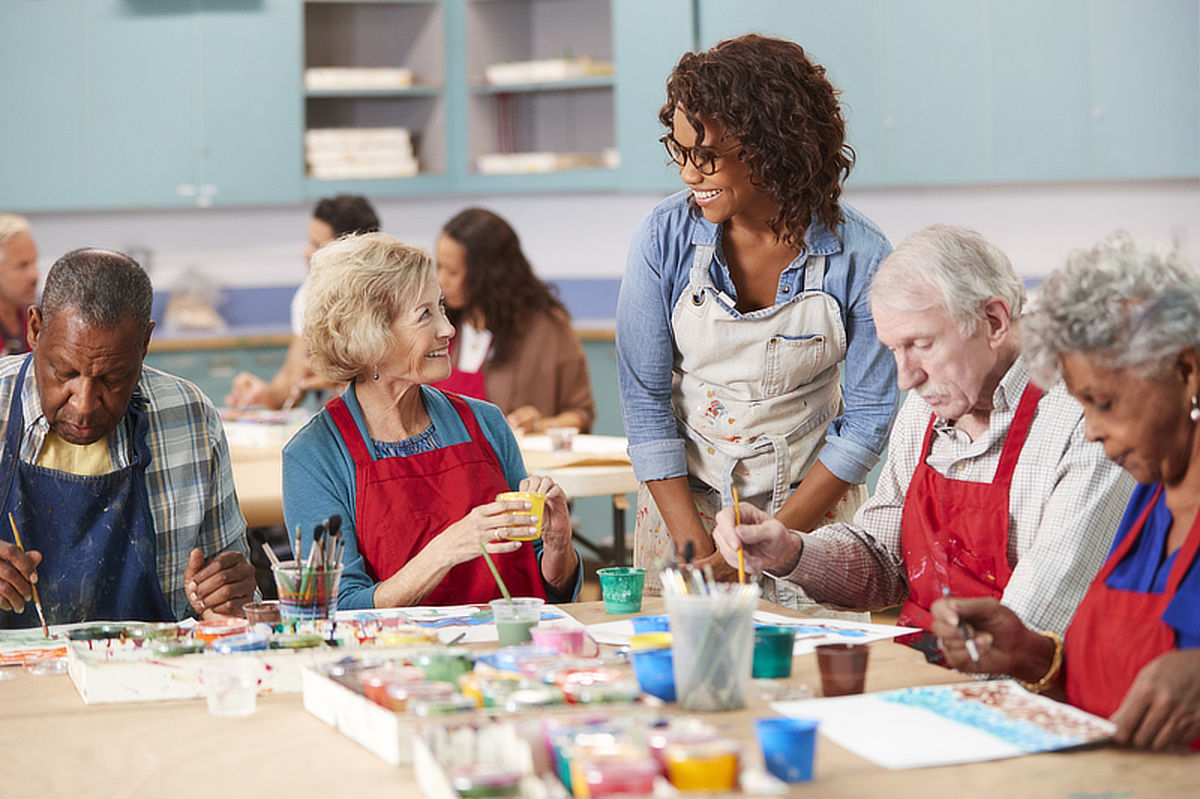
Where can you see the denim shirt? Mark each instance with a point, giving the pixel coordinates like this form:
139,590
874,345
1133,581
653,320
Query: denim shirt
656,274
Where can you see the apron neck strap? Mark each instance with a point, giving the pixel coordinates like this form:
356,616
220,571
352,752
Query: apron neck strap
814,273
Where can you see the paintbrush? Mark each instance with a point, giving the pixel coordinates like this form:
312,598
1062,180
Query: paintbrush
37,602
495,573
737,520
964,631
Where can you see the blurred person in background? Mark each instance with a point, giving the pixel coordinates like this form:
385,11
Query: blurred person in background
18,282
513,343
333,217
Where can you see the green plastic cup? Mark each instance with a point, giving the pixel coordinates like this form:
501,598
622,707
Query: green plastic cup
621,587
773,651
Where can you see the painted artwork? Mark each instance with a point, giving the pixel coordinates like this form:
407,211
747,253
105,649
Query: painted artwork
466,624
960,723
810,632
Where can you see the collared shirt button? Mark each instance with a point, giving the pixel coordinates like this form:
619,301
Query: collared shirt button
786,289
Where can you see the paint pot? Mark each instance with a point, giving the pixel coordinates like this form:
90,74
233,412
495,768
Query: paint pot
254,641
532,698
443,665
654,669
296,640
682,730
404,695
97,632
406,635
618,775
618,692
515,619
843,668
376,681
566,640
537,506
449,706
262,612
773,651
218,628
485,781
151,631
706,766
621,587
175,647
651,624
787,747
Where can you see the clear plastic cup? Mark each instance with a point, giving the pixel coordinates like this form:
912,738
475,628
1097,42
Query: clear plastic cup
515,619
713,647
231,684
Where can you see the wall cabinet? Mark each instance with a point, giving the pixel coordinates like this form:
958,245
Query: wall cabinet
1021,91
162,103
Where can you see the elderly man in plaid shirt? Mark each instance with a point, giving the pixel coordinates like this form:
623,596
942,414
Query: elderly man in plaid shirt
116,475
990,487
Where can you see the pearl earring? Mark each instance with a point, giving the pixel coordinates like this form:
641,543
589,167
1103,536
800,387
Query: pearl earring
1195,412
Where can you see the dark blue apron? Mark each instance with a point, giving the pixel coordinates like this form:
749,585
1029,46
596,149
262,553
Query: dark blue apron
95,533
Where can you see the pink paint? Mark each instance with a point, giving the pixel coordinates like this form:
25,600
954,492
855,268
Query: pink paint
565,640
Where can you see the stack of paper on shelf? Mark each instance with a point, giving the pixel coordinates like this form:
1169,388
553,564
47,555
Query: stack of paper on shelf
540,162
359,153
547,70
357,78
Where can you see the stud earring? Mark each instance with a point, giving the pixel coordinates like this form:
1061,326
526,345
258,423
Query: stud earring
1195,412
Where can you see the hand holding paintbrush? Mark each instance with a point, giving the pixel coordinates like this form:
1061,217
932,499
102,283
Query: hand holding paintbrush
37,602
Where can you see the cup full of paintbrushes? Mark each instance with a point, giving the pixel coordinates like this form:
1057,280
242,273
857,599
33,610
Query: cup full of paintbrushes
307,590
713,643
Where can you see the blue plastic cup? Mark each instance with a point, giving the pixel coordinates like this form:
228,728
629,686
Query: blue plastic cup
787,747
655,672
650,624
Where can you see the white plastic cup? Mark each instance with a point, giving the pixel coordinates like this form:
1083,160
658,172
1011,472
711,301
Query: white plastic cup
713,647
231,684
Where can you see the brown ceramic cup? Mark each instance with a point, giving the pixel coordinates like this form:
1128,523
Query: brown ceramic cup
262,612
843,668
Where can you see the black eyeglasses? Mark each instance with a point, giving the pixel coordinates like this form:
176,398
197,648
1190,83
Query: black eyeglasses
703,158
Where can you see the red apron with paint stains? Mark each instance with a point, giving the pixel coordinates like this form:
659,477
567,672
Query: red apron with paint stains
954,533
404,503
1115,633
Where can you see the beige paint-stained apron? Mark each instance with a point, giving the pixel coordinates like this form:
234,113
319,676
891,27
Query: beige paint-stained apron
754,394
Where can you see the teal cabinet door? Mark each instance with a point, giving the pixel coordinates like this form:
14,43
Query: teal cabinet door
140,88
841,37
648,39
250,103
41,123
1145,78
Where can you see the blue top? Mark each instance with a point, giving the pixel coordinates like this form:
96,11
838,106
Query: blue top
318,479
660,258
1146,569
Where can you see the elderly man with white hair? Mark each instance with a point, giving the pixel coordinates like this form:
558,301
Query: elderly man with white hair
18,282
990,487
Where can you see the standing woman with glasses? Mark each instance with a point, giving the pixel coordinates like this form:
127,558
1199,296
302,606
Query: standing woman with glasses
743,295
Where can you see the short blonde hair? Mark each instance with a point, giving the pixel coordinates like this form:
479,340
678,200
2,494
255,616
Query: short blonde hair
12,225
358,285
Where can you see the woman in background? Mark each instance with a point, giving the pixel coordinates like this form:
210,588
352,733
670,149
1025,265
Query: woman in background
513,342
1121,325
744,304
413,472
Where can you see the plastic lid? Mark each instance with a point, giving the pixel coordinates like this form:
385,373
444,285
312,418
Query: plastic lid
245,642
656,640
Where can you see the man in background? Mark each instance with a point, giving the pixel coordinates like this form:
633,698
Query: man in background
333,217
18,282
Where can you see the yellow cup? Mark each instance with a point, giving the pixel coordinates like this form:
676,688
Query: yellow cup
538,501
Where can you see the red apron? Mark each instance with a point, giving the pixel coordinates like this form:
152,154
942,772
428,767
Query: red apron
954,533
1115,633
404,503
469,384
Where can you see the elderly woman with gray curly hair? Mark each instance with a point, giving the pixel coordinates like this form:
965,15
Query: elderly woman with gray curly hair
415,473
1121,324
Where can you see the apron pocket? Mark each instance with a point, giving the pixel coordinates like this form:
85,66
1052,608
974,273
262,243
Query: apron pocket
793,361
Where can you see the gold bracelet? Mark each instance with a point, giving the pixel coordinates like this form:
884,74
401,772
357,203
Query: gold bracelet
1055,665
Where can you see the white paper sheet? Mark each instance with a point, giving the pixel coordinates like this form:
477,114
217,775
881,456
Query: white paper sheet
472,622
949,724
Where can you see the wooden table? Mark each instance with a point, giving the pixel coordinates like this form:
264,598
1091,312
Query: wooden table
52,745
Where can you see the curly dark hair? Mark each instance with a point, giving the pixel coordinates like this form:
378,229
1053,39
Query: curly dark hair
500,283
346,214
785,115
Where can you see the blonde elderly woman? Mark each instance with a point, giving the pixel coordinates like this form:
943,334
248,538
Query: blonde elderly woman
1121,324
413,472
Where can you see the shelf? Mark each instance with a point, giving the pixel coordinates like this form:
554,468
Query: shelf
596,82
364,94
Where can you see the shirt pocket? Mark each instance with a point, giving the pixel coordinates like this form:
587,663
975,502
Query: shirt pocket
793,361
